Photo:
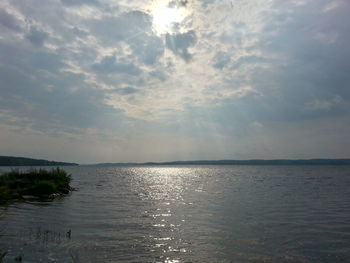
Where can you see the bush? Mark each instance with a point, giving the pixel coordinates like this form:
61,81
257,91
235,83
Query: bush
34,182
43,188
5,193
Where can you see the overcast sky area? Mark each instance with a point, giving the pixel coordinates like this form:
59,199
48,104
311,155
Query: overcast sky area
120,80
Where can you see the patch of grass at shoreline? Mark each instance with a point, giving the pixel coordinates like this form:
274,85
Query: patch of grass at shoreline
38,183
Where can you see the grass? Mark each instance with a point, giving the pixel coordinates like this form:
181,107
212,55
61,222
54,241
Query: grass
35,182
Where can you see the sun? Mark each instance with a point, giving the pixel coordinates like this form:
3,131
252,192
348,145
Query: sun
167,17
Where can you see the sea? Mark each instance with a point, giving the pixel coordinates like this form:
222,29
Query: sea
175,214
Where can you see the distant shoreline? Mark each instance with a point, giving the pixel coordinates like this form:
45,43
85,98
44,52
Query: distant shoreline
23,161
237,162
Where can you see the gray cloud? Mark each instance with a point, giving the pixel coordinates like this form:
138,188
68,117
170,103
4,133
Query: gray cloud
125,91
36,37
125,27
303,74
79,2
178,3
133,28
221,59
147,48
9,21
110,65
179,43
36,93
160,75
248,60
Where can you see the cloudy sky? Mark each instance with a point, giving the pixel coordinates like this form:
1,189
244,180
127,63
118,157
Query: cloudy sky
137,80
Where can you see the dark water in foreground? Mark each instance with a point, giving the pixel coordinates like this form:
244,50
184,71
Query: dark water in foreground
187,214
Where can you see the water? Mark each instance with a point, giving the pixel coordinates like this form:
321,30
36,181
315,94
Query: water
187,214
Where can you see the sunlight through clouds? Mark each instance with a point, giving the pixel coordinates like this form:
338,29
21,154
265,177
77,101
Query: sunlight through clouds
169,16
207,69
192,35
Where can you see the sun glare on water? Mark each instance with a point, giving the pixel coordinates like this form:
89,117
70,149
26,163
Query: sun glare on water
167,17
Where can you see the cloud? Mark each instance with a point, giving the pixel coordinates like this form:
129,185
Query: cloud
231,75
9,21
220,60
79,2
110,65
178,3
125,91
332,6
323,105
37,92
133,28
180,43
124,27
36,37
304,66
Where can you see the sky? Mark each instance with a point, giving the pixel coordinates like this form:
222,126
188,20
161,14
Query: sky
135,80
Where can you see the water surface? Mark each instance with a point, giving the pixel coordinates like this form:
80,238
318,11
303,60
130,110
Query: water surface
187,214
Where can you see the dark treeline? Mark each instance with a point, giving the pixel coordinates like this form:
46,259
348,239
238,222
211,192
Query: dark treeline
22,161
242,162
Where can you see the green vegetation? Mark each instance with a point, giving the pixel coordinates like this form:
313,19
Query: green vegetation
39,183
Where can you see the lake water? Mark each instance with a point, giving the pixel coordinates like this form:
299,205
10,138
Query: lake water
187,214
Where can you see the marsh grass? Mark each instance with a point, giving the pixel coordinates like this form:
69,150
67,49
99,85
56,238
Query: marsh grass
35,182
2,254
